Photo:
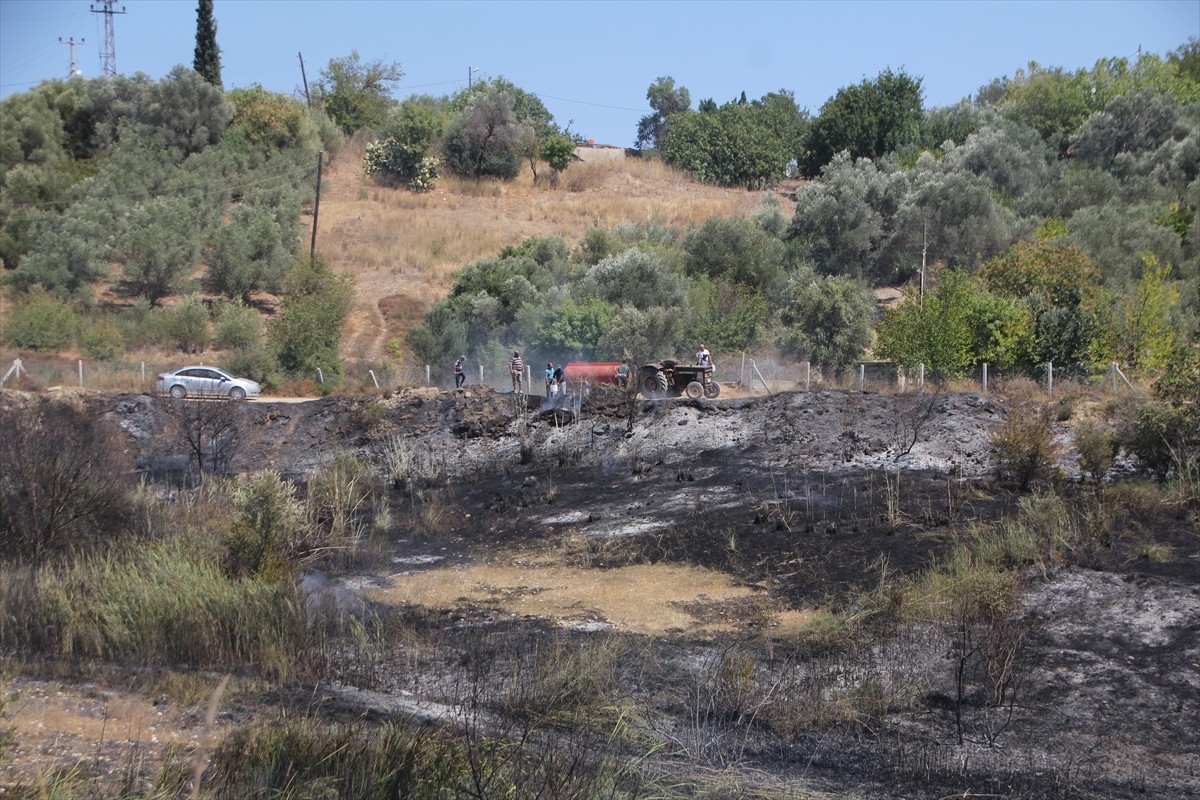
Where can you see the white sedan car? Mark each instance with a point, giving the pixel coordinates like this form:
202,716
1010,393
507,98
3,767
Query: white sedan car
207,382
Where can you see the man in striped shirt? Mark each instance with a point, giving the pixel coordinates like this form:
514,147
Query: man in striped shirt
516,368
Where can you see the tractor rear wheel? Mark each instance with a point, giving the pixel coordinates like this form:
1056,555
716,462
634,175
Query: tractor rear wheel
695,390
654,383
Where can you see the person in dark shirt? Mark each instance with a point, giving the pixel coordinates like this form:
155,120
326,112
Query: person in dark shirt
459,376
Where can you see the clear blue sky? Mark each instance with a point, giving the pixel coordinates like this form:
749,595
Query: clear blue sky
591,62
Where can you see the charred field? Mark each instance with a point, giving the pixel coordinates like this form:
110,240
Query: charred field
830,594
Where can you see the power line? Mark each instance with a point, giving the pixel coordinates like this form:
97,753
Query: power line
597,105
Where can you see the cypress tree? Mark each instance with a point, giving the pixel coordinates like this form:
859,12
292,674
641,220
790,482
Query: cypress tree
208,55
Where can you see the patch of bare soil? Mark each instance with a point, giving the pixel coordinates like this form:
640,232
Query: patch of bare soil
690,530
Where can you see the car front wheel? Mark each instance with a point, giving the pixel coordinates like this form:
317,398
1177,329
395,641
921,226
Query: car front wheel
237,393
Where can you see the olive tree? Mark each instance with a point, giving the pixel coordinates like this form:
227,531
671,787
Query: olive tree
486,138
826,320
735,249
636,278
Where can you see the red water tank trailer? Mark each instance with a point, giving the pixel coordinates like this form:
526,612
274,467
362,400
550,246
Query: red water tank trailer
591,372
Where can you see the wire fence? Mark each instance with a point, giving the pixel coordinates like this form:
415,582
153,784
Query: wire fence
747,376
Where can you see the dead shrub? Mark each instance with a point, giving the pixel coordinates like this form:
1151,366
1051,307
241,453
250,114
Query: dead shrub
1022,390
1024,445
582,177
564,678
65,480
208,429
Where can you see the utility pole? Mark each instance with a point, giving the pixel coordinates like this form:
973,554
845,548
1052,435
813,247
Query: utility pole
312,248
304,78
924,250
109,56
73,70
470,73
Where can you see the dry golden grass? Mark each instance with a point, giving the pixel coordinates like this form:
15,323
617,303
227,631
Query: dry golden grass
641,598
403,249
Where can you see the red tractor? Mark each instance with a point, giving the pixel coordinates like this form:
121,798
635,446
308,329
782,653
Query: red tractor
670,378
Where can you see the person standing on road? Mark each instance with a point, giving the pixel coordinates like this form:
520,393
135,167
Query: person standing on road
516,369
459,377
550,387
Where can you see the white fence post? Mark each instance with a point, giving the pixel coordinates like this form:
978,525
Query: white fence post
921,378
807,374
371,372
985,377
481,374
81,373
1050,380
862,377
16,367
427,375
321,376
766,385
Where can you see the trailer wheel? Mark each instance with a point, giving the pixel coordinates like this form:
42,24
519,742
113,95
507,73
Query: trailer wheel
695,390
712,389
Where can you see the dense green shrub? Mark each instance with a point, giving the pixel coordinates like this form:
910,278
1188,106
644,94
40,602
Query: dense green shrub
826,320
238,327
306,335
102,339
1162,436
41,321
188,324
269,531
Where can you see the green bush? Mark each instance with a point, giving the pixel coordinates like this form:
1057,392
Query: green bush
144,326
1097,447
425,177
267,534
306,335
238,327
1160,435
41,321
102,339
187,324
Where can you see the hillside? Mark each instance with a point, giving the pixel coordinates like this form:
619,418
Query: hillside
404,248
